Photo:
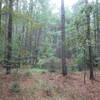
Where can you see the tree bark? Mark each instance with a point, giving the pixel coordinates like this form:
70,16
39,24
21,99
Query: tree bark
97,26
64,67
9,37
88,36
0,15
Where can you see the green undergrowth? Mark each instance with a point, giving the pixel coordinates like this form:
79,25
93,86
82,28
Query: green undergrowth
38,70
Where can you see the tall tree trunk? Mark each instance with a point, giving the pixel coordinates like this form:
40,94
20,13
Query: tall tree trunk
16,26
64,67
97,26
9,37
37,41
90,65
6,32
95,33
0,14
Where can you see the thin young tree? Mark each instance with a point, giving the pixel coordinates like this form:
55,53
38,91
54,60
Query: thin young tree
64,67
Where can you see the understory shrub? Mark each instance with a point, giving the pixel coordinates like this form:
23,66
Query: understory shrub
27,74
15,87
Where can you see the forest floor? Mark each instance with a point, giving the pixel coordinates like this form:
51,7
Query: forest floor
32,85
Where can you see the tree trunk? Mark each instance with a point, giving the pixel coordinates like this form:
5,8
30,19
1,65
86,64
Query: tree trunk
9,37
37,41
0,15
95,32
88,36
97,26
64,67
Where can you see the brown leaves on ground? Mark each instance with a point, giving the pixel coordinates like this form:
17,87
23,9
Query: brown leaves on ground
51,86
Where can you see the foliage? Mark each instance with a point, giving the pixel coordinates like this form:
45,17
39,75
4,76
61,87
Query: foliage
27,74
15,87
36,30
38,70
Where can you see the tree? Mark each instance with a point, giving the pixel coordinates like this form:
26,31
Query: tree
97,25
88,37
64,67
9,38
0,14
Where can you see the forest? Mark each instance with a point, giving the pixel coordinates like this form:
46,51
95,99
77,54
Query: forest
49,50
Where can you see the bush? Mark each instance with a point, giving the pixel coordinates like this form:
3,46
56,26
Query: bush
52,65
1,83
27,74
17,76
15,87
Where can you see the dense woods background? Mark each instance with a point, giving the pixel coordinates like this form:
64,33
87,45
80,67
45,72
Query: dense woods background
40,35
31,30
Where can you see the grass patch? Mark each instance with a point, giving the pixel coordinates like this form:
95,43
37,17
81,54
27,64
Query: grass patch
39,70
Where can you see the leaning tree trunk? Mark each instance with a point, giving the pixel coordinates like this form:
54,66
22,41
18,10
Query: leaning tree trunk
64,67
89,49
9,38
